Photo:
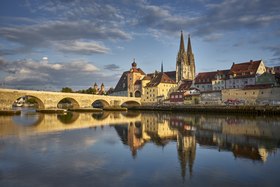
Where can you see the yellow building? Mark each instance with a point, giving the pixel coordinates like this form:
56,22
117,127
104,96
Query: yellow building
158,89
192,99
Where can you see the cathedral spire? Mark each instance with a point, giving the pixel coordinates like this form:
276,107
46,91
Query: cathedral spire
189,50
182,45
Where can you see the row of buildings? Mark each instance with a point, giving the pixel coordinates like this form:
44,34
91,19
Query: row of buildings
185,86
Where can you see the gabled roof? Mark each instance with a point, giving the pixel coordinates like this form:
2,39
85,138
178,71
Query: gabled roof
147,77
185,85
223,72
171,75
160,78
122,84
207,77
246,69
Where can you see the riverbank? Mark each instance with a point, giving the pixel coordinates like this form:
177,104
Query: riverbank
10,112
85,109
255,110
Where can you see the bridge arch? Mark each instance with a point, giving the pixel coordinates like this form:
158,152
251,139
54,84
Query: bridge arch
100,103
39,102
70,103
130,103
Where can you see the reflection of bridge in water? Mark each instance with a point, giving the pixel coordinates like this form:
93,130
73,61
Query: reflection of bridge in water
47,123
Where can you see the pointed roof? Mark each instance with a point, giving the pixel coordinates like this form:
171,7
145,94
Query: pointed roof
189,50
122,83
182,45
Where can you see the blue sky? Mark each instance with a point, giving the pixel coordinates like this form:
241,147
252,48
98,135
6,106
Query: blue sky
51,44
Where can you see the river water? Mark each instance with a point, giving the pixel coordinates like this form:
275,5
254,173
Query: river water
139,149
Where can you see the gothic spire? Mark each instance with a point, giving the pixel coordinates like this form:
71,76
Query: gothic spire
189,50
182,45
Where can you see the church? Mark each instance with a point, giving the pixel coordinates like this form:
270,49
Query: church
185,65
156,87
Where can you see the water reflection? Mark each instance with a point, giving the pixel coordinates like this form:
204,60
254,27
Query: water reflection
249,138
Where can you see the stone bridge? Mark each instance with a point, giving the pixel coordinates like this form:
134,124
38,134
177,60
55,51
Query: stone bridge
47,99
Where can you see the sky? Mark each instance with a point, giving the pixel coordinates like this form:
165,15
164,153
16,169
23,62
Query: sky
50,44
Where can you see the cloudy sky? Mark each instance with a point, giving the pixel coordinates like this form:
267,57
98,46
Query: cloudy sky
51,44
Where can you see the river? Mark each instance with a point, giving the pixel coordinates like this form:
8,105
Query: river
139,149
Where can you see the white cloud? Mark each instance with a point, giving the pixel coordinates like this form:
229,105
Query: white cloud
81,47
35,74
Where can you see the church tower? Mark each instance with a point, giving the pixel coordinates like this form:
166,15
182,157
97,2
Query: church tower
185,65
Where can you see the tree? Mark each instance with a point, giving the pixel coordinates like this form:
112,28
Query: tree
89,90
67,90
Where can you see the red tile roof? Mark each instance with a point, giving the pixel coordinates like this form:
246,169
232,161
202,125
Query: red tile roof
246,69
160,78
185,85
170,74
207,77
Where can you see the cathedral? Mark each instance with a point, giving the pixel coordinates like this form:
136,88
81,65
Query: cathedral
185,66
155,87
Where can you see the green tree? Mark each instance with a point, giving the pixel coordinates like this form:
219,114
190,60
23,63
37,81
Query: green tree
67,90
89,90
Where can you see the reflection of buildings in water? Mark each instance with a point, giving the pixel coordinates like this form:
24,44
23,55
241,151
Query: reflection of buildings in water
250,152
186,143
186,151
151,128
122,131
134,138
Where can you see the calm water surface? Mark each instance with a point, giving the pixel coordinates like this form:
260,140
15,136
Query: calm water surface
138,149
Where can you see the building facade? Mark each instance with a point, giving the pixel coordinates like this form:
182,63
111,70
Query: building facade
158,89
244,74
